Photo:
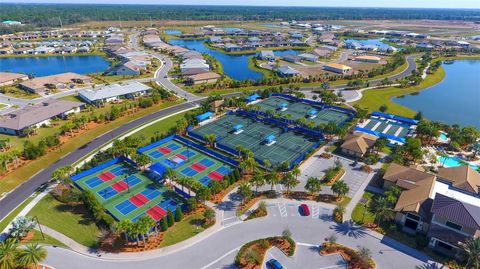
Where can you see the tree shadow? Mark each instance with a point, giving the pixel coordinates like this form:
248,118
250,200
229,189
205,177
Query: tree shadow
350,229
226,206
430,266
197,222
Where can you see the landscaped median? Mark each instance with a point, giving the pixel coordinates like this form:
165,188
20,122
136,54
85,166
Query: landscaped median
356,259
252,254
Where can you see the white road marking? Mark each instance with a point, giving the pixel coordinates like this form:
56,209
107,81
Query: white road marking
315,211
283,210
219,259
307,245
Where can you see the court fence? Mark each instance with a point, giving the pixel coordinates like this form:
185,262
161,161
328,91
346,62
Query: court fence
101,167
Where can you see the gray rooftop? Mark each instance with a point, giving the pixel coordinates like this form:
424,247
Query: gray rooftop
113,90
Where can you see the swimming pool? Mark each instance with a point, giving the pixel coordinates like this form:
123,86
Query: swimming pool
453,162
443,136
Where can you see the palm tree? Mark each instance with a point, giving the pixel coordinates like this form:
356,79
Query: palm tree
289,181
313,185
124,226
380,208
471,252
141,160
257,180
32,254
62,174
340,188
8,254
145,223
244,191
296,172
267,164
272,179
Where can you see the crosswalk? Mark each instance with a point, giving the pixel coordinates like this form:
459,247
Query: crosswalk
282,209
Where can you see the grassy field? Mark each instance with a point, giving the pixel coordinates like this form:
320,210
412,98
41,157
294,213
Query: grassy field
14,213
48,240
161,127
71,220
360,214
13,91
183,230
23,173
373,99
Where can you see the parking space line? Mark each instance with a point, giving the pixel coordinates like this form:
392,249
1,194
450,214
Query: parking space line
282,209
315,211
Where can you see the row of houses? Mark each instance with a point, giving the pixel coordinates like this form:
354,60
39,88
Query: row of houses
211,30
252,43
369,47
48,84
44,50
132,62
54,34
196,69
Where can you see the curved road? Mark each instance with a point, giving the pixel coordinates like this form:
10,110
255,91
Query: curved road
223,245
18,195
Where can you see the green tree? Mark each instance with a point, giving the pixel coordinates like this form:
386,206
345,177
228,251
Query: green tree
124,227
289,181
380,143
272,178
8,254
178,214
32,254
471,252
257,180
163,224
340,188
170,219
393,194
313,186
244,191
62,174
380,208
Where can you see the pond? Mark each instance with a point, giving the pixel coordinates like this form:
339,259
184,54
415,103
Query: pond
376,42
51,65
456,99
172,32
234,66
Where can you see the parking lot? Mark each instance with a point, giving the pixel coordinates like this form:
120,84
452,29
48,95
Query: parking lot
306,257
291,210
315,167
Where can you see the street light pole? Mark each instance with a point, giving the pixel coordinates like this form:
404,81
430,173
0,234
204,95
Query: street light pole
40,227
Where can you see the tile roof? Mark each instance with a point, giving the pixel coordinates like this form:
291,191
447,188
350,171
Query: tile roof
7,76
462,177
113,90
359,142
456,211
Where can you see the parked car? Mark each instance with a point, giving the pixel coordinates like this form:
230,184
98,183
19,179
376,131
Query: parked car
274,264
304,210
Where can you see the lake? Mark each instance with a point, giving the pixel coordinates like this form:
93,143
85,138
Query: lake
234,66
51,65
172,32
456,99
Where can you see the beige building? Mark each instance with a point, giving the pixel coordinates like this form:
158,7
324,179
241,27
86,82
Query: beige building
338,68
368,59
357,144
43,85
7,78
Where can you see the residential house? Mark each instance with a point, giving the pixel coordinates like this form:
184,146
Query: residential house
358,144
463,178
43,85
7,78
207,77
267,55
231,47
287,71
308,57
338,68
113,92
127,69
292,58
34,116
368,59
324,51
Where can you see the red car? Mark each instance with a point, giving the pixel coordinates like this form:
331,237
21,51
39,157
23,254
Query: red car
304,210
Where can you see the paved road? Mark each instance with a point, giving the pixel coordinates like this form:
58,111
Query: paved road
215,250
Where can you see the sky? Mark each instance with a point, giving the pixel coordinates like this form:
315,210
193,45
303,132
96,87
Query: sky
344,3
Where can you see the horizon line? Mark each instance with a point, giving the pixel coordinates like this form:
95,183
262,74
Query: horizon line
233,5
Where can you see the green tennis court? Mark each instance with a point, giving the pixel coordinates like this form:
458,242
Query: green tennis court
287,146
296,110
127,193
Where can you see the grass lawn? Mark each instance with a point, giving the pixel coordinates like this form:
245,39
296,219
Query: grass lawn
359,211
13,91
14,213
344,202
373,99
161,127
71,220
183,230
23,173
37,238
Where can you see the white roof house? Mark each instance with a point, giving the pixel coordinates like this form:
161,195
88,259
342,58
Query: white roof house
113,92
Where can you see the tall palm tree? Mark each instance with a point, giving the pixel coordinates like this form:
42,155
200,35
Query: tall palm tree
244,191
340,188
296,172
289,181
8,254
257,180
32,254
313,185
380,208
471,252
272,179
124,226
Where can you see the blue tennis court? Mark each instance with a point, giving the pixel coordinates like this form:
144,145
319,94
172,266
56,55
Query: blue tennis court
94,182
107,192
207,162
205,180
126,207
132,180
188,153
139,216
117,170
151,193
155,154
189,172
168,204
223,170
173,146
